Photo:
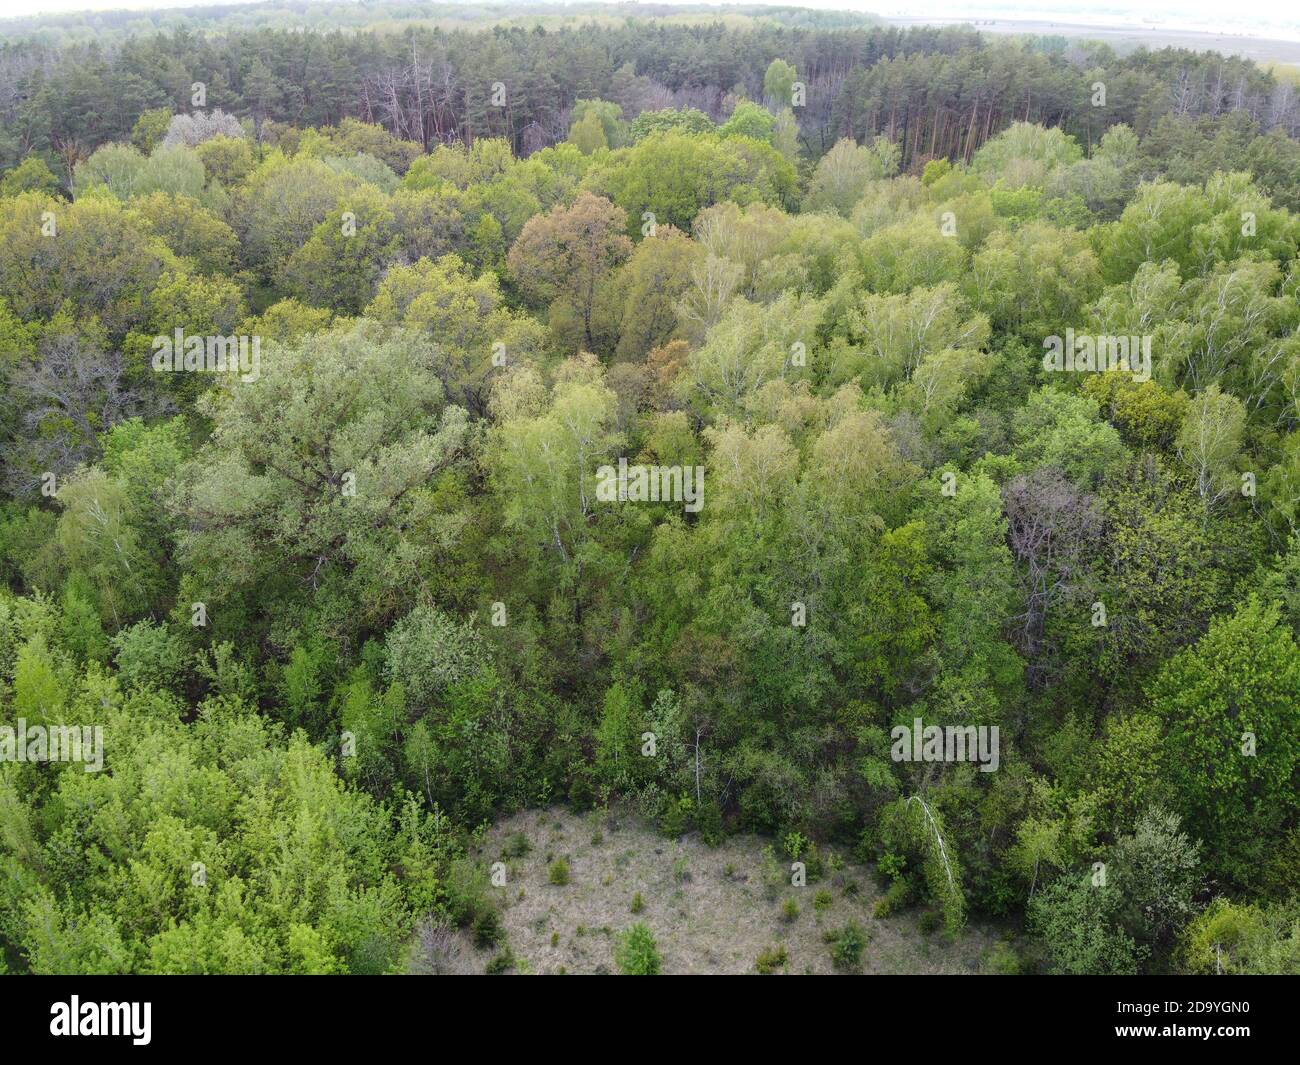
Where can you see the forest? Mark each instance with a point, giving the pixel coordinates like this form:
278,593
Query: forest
882,443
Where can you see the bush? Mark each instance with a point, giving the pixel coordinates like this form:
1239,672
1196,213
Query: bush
708,820
771,960
847,946
891,866
487,928
896,897
635,953
1002,960
517,846
676,818
558,874
775,876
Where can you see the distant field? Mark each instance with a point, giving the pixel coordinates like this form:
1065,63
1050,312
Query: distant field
1127,38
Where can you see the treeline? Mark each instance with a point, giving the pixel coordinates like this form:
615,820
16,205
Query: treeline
108,27
935,92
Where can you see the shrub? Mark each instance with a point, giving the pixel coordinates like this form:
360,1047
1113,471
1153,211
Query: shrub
772,959
790,909
890,866
676,817
517,846
775,876
487,928
896,897
847,946
638,903
558,873
795,844
708,820
1002,960
635,953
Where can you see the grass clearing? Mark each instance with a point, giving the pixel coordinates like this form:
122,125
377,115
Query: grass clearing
708,908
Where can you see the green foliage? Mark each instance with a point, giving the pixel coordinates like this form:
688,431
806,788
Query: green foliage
31,175
1077,922
635,952
336,610
847,946
1229,705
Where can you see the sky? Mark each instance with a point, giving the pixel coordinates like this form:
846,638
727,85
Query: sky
1259,18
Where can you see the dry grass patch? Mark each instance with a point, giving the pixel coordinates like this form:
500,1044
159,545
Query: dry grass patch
709,908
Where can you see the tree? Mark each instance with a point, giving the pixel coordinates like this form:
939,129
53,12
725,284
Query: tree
1240,938
749,120
31,175
778,81
602,115
189,229
329,462
751,345
1024,154
567,253
341,264
843,174
192,129
588,134
1050,525
60,402
465,319
1209,443
188,892
1229,706
1077,920
674,175
687,119
1156,869
1035,280
646,290
544,453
